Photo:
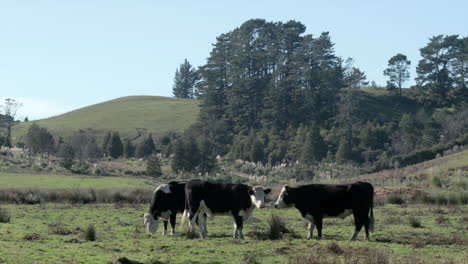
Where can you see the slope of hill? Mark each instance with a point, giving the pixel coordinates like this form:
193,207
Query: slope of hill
130,116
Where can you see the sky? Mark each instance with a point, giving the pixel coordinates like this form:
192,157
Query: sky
56,56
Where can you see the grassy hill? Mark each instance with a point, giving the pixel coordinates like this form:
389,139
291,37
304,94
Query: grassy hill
135,115
130,116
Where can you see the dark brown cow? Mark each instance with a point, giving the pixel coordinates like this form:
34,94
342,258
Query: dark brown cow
318,201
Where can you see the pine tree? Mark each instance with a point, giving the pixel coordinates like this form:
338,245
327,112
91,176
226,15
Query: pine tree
314,148
207,162
179,158
153,166
105,143
129,149
256,153
344,152
184,81
397,72
115,147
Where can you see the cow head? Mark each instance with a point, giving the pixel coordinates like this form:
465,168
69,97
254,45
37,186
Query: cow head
284,199
258,194
150,223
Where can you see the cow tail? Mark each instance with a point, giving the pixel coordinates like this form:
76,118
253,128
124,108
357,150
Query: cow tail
371,220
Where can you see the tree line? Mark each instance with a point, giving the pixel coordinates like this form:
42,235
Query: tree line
270,93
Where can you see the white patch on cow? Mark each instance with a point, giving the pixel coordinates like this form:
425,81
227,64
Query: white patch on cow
258,198
150,223
343,215
280,202
165,188
165,215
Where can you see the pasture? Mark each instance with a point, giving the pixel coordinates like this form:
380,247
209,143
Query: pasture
53,233
30,180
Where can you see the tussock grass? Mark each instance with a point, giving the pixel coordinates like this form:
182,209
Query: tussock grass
90,233
56,227
5,216
414,222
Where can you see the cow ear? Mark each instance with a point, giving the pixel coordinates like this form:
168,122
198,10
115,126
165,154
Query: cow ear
251,192
267,191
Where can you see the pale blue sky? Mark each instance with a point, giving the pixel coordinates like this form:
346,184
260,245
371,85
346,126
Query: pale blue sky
56,56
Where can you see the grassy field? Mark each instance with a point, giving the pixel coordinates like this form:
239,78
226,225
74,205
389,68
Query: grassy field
22,180
127,115
450,170
31,237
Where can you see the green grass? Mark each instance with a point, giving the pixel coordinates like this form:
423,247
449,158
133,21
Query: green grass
120,232
127,115
21,180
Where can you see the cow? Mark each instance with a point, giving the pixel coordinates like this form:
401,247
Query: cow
237,200
318,201
168,199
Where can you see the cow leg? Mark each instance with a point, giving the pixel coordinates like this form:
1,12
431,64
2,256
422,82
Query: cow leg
311,230
358,223
366,227
318,223
205,216
238,227
165,228
173,222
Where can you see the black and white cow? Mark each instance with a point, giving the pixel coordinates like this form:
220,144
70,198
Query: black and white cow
168,199
318,201
237,200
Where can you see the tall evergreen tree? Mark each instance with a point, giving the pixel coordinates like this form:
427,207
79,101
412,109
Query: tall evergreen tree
105,143
397,72
153,166
185,79
436,76
129,149
344,152
115,146
314,148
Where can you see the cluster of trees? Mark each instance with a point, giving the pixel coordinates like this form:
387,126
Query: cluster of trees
7,119
270,93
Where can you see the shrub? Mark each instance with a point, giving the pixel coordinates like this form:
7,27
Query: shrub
334,248
57,228
276,227
414,222
5,216
442,220
395,199
190,234
441,199
90,233
436,182
249,259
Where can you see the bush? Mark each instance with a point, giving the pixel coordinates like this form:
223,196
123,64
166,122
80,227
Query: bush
57,228
90,233
436,182
414,222
395,199
5,216
276,227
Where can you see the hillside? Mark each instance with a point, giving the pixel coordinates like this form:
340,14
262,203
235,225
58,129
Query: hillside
130,116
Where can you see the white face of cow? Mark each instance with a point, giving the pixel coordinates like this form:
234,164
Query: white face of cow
150,223
258,194
280,203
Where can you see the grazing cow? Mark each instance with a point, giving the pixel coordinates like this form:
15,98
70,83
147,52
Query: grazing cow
168,199
318,201
238,200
